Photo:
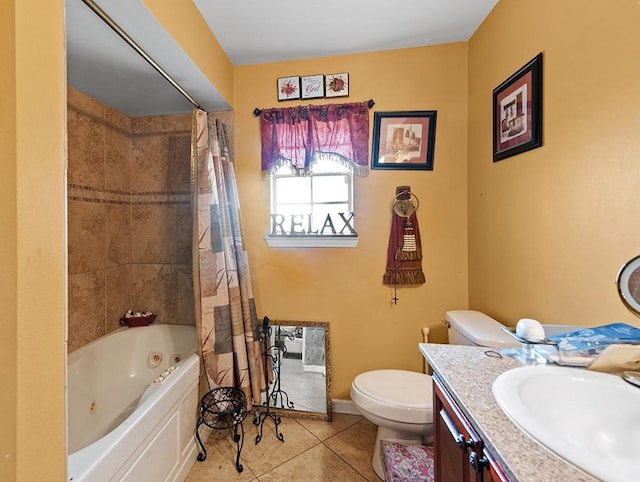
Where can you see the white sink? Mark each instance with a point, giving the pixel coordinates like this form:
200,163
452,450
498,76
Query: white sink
590,419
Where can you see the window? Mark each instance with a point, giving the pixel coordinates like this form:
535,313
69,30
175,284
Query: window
314,210
311,154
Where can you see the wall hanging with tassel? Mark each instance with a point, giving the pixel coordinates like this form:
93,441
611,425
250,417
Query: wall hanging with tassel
404,254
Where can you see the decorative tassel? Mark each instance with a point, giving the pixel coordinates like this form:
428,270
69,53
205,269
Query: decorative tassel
402,255
403,276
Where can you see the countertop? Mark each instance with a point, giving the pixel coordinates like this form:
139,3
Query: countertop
468,374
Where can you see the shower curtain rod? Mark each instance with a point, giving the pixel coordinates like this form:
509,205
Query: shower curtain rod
132,43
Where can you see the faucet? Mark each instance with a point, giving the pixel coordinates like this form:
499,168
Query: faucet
632,377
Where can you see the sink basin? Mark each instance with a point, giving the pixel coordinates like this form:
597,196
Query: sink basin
590,419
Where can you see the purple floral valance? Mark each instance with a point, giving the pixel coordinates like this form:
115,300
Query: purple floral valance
296,135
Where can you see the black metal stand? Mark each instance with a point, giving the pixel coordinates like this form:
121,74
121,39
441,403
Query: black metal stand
271,353
278,394
223,408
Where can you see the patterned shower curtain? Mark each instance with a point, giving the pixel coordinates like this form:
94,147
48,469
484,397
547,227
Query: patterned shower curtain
226,318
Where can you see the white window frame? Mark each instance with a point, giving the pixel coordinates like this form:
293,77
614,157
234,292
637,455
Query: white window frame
311,240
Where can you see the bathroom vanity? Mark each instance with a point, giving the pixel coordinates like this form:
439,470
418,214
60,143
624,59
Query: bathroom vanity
474,438
460,454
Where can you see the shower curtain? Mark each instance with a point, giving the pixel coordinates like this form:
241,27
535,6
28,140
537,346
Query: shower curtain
226,318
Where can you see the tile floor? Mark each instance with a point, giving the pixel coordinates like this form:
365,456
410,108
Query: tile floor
312,451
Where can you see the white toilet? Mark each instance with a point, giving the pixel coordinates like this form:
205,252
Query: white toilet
400,402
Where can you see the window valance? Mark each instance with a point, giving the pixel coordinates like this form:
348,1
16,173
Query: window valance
299,135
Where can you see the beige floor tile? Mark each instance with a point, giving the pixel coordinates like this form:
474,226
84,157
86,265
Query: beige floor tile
220,463
345,454
317,464
355,446
271,452
324,430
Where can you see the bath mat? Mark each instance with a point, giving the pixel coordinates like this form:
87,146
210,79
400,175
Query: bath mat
407,463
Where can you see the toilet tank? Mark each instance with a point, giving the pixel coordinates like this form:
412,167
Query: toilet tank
469,327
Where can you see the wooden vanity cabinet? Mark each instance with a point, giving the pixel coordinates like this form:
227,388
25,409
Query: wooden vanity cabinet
459,452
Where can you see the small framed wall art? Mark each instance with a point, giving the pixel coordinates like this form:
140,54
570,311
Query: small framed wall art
404,140
517,112
312,86
289,88
336,85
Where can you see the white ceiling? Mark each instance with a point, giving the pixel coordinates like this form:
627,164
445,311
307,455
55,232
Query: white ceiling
103,66
257,31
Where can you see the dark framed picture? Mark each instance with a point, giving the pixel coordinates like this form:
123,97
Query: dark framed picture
312,86
336,85
517,112
289,88
404,140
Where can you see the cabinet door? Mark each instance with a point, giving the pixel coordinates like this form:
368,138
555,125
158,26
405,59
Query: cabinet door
455,440
491,470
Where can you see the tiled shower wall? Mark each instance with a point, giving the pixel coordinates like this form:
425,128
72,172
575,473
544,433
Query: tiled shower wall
129,218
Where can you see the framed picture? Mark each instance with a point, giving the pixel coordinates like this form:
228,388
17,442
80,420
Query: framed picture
289,88
336,85
312,86
404,140
517,112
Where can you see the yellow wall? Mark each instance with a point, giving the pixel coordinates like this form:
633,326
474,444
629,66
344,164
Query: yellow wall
8,243
182,19
344,285
32,211
549,229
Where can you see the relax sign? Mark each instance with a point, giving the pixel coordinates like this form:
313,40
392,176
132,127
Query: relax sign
304,225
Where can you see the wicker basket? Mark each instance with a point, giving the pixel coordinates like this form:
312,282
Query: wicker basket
133,321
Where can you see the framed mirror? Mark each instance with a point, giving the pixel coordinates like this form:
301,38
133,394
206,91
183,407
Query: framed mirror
302,373
628,283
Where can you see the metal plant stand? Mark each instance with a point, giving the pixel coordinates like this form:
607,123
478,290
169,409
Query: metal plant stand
279,395
223,408
270,353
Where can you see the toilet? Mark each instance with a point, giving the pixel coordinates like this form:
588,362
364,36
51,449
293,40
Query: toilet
400,402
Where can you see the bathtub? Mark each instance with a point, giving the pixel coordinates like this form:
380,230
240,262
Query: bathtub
132,400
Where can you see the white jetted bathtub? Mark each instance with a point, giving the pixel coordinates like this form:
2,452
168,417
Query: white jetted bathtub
132,405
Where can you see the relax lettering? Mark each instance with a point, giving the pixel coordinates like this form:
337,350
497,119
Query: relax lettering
297,224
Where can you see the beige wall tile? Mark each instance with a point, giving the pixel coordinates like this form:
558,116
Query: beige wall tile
153,288
143,251
185,314
184,233
179,178
117,157
86,221
117,234
117,294
86,308
118,120
153,233
183,122
154,124
150,161
85,141
85,104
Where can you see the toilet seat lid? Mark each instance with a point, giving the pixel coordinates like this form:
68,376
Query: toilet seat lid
398,388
